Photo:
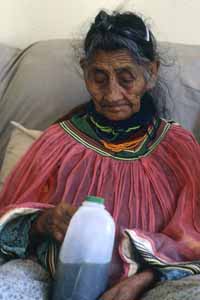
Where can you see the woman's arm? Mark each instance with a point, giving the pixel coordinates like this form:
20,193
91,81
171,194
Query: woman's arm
132,287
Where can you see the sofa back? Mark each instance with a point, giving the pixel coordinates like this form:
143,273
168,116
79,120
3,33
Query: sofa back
40,84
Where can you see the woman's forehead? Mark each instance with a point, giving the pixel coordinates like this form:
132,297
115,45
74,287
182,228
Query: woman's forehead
117,59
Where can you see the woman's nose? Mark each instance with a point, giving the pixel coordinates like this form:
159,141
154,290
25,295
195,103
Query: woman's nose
113,92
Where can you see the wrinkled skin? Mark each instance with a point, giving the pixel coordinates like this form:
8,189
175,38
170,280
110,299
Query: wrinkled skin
130,288
116,84
54,222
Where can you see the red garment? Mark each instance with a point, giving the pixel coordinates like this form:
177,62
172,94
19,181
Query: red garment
158,195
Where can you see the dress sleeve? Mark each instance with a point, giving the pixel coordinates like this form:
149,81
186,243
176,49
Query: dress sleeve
15,242
174,251
33,182
31,187
14,236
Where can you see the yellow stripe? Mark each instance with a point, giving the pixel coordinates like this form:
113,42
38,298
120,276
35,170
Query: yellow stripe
104,153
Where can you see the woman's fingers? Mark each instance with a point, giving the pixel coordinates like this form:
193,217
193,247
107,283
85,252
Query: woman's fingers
54,221
58,236
64,212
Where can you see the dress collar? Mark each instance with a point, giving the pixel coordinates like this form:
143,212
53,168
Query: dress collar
116,131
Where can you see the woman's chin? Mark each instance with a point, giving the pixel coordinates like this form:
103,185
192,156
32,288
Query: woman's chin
118,113
117,116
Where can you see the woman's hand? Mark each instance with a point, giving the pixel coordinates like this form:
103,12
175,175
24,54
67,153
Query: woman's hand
130,288
54,221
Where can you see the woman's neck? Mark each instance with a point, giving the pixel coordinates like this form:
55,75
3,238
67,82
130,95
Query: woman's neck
116,131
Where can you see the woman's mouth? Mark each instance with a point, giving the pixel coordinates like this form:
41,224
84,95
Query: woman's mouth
115,107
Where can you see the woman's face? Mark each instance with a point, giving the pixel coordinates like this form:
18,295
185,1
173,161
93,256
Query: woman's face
116,83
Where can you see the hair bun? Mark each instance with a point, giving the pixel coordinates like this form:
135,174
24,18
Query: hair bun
118,31
103,20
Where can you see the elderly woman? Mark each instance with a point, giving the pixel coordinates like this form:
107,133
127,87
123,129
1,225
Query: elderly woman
117,147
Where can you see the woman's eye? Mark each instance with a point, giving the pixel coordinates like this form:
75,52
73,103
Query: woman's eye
100,77
126,81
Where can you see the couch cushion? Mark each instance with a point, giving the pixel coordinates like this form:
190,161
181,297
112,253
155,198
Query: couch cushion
43,83
8,56
44,86
183,82
21,139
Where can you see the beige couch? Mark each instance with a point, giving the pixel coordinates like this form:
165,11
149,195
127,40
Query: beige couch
41,83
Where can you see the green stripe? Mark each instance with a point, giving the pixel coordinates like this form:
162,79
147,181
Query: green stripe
119,156
111,130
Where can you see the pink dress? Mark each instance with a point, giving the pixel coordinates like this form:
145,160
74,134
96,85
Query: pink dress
154,198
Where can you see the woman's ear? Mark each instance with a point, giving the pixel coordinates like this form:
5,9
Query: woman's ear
82,63
153,70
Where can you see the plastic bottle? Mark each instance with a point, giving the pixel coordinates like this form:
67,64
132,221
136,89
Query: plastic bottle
85,255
